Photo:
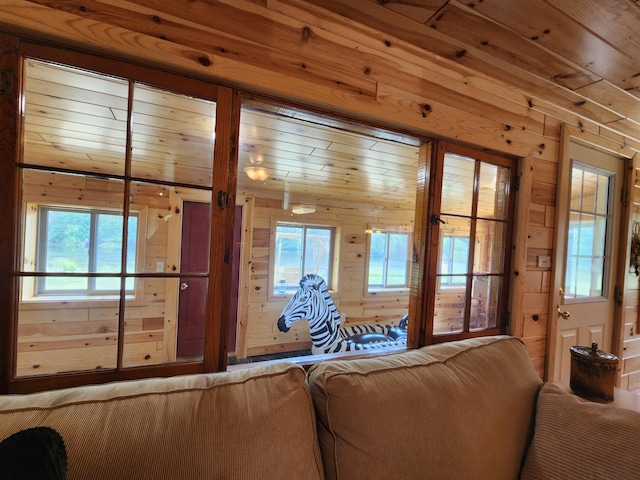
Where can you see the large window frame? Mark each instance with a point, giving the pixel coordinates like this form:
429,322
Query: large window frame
13,165
94,263
384,270
285,279
596,225
470,300
222,191
448,267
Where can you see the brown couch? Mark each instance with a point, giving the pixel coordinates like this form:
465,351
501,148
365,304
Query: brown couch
464,410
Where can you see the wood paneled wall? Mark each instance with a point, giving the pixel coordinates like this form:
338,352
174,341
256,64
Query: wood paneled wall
297,51
630,355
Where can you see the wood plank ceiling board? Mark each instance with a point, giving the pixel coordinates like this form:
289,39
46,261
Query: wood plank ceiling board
516,17
463,23
313,163
200,25
615,21
420,11
552,28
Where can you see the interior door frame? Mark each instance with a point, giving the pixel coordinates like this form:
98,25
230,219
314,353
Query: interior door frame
569,134
247,203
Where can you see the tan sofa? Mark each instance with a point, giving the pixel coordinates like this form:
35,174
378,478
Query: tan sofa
464,410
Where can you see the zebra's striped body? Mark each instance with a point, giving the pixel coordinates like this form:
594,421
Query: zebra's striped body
313,302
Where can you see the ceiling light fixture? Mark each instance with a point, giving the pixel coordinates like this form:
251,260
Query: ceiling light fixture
255,170
256,173
303,209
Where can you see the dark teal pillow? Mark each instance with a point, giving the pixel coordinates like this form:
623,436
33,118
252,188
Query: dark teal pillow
35,454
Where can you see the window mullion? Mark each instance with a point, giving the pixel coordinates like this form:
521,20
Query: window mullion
125,224
303,266
472,247
93,252
385,264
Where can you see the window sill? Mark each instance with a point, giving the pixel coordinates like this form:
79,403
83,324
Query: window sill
104,300
308,361
394,291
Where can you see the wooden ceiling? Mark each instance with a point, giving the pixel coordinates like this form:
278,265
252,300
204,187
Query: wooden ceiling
578,55
77,120
583,55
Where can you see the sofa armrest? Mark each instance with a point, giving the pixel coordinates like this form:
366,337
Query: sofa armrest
577,439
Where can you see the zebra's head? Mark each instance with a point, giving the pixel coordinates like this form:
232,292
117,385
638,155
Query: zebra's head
304,302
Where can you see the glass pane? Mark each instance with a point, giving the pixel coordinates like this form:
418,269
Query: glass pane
589,191
304,172
599,236
587,234
108,246
602,202
455,246
317,252
60,226
457,184
74,119
489,247
573,234
449,306
173,137
68,236
397,262
57,336
152,330
377,255
576,189
484,302
584,278
288,258
493,189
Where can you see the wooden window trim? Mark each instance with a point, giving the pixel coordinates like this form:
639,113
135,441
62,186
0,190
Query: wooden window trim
432,262
13,52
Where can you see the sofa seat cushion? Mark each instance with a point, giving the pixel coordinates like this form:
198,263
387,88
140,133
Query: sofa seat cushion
460,410
576,439
246,424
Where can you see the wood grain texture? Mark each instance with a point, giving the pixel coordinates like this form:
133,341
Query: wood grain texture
507,88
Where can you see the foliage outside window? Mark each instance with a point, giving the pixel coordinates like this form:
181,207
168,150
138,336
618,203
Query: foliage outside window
83,241
454,261
388,260
300,250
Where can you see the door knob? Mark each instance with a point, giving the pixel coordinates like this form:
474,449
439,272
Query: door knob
184,286
562,314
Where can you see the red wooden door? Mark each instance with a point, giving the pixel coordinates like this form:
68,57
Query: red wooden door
194,258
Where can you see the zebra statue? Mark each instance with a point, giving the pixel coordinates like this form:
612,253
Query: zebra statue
313,302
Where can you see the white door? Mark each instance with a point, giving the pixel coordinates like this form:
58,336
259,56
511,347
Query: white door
588,248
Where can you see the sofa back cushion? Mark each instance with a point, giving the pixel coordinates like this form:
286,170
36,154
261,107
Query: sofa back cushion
460,410
246,424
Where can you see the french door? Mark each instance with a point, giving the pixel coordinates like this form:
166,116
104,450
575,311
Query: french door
588,246
470,229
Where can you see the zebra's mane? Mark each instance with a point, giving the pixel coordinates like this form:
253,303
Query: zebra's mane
317,282
313,280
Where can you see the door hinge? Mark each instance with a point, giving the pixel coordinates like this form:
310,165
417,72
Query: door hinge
617,295
223,199
624,196
516,183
